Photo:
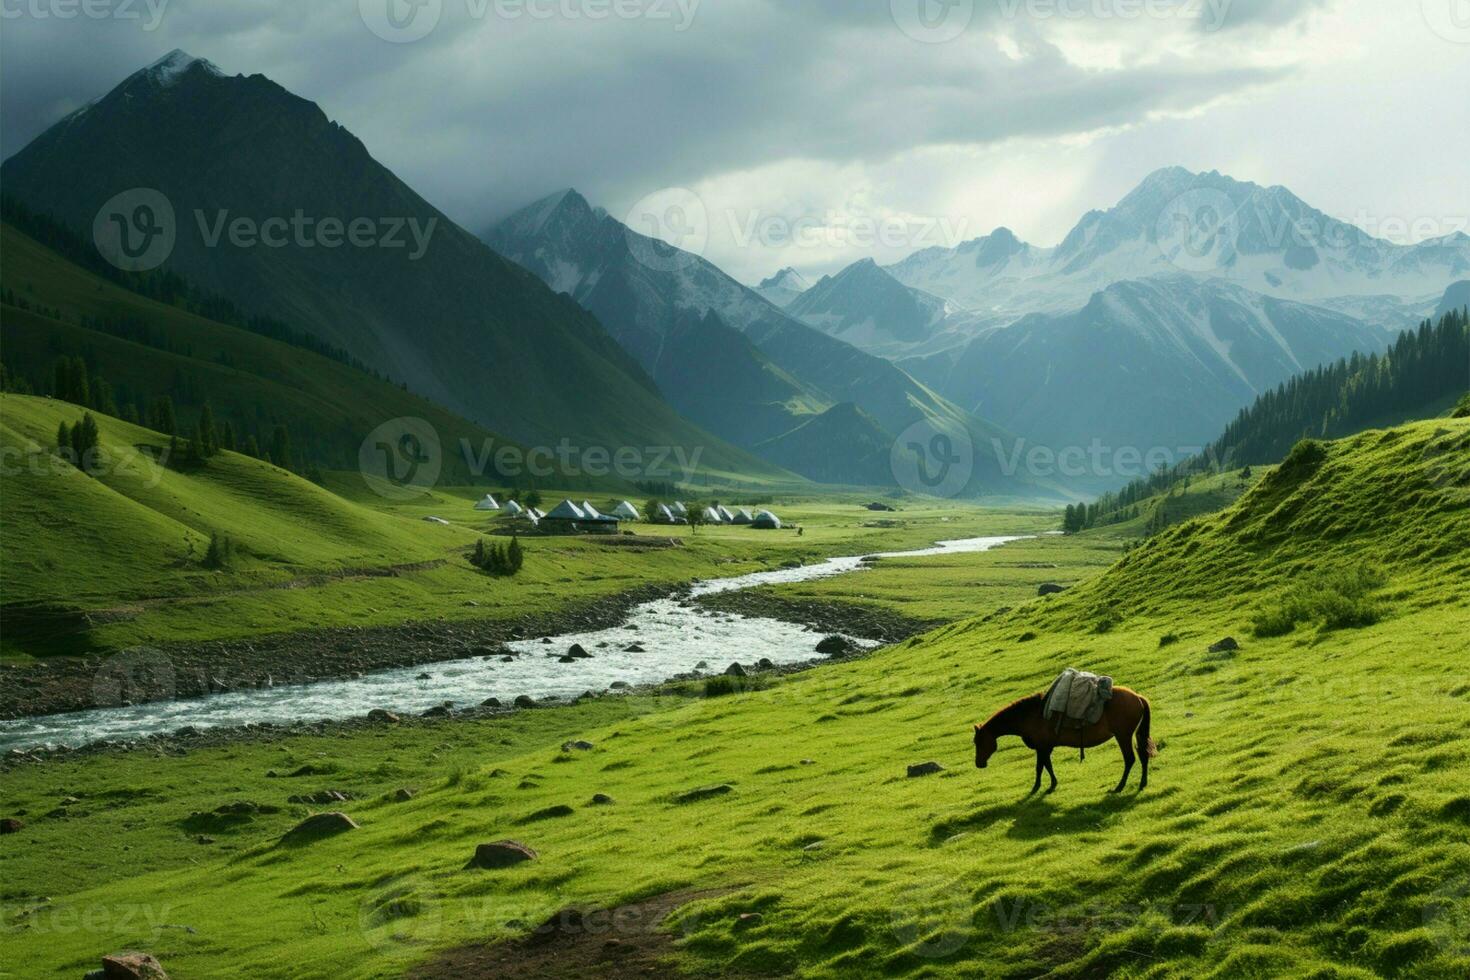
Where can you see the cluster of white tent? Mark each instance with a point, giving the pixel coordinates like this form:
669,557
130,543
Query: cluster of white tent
569,514
566,511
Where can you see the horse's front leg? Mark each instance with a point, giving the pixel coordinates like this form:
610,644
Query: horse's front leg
1050,771
1039,766
1127,762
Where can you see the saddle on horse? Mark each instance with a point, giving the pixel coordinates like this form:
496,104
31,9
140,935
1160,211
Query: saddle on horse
1076,699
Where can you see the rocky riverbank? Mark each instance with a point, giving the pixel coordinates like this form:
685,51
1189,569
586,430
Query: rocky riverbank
176,671
847,618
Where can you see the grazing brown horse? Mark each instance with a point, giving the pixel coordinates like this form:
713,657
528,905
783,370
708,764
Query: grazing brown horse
1127,714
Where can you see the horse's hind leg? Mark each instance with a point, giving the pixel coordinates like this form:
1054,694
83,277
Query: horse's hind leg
1127,762
1039,766
1046,759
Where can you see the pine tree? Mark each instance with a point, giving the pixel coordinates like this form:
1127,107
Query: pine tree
85,439
478,559
252,446
515,556
63,440
281,447
227,437
206,439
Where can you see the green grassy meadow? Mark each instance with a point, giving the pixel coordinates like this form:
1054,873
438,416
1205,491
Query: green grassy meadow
1308,814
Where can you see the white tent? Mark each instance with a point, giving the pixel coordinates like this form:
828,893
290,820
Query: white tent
712,516
663,515
513,509
626,511
767,521
489,503
678,509
588,510
743,516
567,511
536,514
725,516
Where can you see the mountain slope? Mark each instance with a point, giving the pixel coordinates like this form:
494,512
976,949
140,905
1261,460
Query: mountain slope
606,266
412,295
842,445
1157,363
870,309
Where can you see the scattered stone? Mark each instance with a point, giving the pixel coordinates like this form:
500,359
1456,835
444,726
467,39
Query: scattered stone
577,746
318,826
490,703
578,652
924,769
747,920
201,839
500,854
735,670
132,966
765,663
1227,645
547,813
703,793
384,716
835,645
618,686
808,762
1051,588
402,795
815,846
438,711
568,659
10,825
601,799
525,701
425,677
321,798
634,648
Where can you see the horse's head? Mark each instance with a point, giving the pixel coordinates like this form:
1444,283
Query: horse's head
984,747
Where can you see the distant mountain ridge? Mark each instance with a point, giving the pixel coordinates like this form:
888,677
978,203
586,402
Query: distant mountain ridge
600,262
783,287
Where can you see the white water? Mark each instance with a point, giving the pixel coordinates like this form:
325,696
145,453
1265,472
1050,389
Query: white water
677,638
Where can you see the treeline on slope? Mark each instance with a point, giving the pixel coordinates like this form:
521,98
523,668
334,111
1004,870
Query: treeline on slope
73,381
1424,370
162,286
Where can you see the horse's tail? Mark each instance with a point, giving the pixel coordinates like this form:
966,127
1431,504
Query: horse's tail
1146,745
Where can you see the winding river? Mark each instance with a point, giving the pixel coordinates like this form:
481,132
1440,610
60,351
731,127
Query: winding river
676,637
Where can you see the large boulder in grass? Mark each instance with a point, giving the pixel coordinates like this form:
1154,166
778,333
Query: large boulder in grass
131,966
836,645
318,826
924,769
11,825
1227,645
501,854
1051,588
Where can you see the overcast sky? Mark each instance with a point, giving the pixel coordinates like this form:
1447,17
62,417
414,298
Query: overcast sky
862,127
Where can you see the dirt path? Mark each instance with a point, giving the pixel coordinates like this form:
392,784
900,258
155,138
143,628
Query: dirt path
628,941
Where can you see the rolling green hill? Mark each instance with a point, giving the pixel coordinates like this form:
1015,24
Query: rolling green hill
1306,816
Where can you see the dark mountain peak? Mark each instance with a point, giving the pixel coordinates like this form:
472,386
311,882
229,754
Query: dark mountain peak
787,278
561,212
176,66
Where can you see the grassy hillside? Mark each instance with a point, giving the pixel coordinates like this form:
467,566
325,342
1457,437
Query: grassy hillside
1307,814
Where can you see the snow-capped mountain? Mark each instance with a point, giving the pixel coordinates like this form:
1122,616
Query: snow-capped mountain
870,309
784,286
1162,362
1208,225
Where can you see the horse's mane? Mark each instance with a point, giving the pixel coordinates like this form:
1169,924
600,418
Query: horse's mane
1014,708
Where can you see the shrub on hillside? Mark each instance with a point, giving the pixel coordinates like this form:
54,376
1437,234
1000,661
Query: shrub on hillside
221,553
1462,409
1339,599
